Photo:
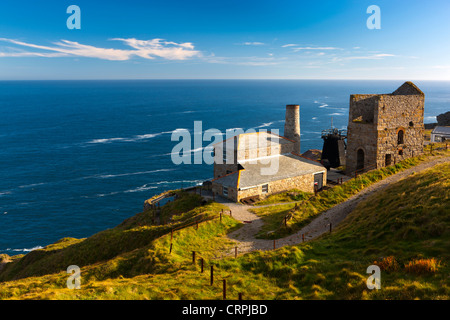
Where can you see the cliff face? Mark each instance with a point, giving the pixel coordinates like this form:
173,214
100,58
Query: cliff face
444,119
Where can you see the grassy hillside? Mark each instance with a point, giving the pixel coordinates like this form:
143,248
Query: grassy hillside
311,206
405,229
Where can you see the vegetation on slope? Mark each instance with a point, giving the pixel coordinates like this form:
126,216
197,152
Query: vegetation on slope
134,233
307,210
387,227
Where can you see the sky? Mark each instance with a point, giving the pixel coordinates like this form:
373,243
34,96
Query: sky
231,39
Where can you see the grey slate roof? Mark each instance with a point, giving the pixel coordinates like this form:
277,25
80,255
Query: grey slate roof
289,165
441,130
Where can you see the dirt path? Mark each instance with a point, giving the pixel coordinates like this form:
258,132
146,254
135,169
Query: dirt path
245,236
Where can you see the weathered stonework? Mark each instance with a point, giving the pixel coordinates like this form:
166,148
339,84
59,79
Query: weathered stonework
302,182
385,128
263,163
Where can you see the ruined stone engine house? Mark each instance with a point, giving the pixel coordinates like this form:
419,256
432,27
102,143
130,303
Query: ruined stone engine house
384,128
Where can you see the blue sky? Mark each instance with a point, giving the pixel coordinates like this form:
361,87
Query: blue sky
230,39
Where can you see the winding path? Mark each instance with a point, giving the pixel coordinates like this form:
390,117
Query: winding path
245,236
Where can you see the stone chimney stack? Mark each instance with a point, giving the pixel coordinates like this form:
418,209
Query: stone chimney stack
292,125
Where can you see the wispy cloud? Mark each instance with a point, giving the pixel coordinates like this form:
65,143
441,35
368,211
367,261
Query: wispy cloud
244,61
315,48
254,43
147,49
377,56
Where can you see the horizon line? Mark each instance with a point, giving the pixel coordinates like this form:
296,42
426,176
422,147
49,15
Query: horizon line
171,79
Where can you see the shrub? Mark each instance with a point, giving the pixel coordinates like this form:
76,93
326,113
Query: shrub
388,264
420,266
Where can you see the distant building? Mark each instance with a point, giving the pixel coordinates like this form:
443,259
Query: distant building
242,174
384,128
440,134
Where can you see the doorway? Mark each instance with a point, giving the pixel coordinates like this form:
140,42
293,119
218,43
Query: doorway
360,159
388,160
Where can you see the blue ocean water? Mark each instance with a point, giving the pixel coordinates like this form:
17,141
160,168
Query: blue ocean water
78,157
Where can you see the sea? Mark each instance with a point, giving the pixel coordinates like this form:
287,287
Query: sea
78,157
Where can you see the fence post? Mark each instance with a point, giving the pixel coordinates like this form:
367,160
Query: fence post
224,289
193,257
231,214
201,265
330,227
221,216
196,225
212,275
273,244
285,221
235,252
303,237
239,296
170,251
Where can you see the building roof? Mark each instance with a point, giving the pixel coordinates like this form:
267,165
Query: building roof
441,130
289,165
408,88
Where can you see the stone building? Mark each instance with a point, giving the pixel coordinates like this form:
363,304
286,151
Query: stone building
440,134
262,163
384,128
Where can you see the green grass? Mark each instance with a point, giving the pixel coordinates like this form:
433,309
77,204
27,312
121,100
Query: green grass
273,216
288,196
134,233
409,220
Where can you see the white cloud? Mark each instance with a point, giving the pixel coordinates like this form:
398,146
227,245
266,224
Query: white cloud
147,49
316,48
255,43
289,45
369,57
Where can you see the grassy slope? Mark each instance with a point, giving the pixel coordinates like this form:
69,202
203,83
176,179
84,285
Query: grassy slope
408,220
273,216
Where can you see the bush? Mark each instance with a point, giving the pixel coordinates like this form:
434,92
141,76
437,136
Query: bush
420,266
388,264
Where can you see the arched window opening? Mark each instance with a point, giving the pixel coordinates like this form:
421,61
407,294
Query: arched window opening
360,159
400,137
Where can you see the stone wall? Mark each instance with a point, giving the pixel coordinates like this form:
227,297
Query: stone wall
395,113
304,183
377,133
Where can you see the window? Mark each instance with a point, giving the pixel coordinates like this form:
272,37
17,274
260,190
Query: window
400,136
265,188
400,152
228,171
411,124
224,155
225,191
388,160
360,159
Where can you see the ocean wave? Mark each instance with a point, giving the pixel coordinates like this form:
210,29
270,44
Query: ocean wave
336,114
264,125
106,176
130,139
150,186
24,249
